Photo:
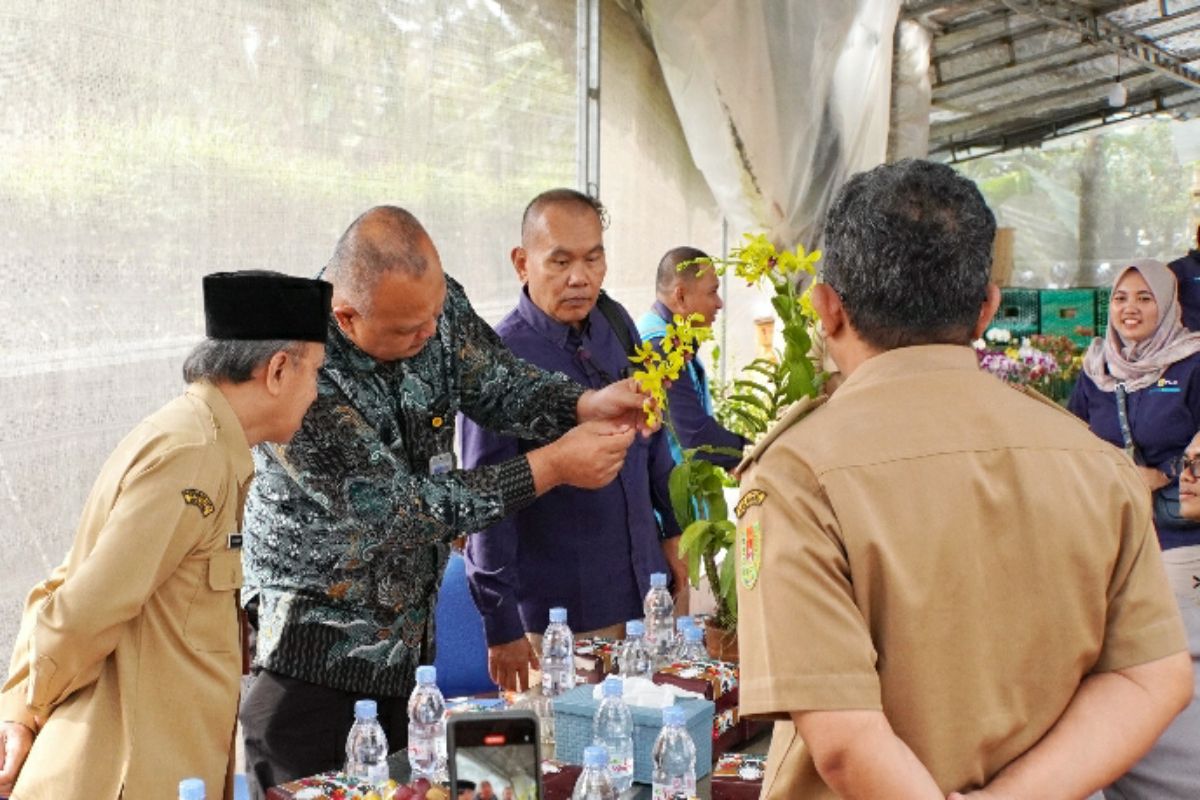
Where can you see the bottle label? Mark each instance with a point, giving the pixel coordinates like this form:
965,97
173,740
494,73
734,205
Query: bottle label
620,767
676,789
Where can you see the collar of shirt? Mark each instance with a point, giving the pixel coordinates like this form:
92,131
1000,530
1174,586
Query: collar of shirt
667,314
227,426
560,333
909,361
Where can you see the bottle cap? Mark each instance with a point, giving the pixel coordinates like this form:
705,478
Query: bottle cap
427,674
693,634
658,580
365,709
241,789
191,789
613,686
683,623
558,614
595,755
635,627
673,715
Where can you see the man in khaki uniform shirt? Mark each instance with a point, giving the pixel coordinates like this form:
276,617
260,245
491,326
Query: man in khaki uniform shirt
126,670
945,584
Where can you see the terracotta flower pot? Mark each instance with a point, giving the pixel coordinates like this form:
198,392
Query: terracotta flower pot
721,644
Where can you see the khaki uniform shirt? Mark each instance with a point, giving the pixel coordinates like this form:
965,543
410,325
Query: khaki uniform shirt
129,654
939,546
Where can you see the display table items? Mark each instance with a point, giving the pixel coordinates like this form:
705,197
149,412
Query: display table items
738,776
717,681
595,659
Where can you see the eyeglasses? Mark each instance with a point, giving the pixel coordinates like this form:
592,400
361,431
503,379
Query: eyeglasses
1189,464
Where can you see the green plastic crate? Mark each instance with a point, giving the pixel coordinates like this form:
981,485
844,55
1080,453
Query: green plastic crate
1019,312
1069,312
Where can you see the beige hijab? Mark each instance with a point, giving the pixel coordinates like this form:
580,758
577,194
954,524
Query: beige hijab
1112,360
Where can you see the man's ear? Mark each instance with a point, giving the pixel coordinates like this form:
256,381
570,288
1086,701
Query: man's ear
679,298
829,308
987,311
346,315
273,374
520,263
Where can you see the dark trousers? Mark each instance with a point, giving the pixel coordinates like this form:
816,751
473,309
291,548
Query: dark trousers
294,729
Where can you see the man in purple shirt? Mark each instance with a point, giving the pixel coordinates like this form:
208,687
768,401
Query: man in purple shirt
589,551
1187,273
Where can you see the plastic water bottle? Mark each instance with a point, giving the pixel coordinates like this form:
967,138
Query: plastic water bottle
191,789
693,645
660,614
681,624
366,746
594,783
241,789
674,757
558,655
613,727
426,726
635,660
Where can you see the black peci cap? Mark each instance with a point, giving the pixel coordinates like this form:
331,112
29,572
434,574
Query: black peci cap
257,305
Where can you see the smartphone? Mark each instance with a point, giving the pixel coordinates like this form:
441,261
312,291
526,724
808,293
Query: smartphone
494,755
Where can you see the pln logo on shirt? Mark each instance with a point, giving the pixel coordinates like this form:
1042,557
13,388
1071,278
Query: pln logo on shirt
1166,386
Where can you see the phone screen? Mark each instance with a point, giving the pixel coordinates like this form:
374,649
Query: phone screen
494,756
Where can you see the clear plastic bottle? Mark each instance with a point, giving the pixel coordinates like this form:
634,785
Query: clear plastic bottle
674,757
681,624
635,660
366,746
191,789
659,609
426,726
558,655
693,645
593,782
613,727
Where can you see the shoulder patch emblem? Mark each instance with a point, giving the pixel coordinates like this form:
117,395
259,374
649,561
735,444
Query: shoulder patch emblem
197,498
752,498
750,544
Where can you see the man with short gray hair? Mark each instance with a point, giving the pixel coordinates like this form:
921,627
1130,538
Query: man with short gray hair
126,671
945,584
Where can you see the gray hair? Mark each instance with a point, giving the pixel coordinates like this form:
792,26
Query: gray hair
669,271
383,239
233,360
908,248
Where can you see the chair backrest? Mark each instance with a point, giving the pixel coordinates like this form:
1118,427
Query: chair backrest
461,659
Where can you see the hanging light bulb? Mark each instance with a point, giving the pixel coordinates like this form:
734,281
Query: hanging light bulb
1117,94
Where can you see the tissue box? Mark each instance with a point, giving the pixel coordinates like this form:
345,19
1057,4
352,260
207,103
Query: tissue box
484,702
573,712
738,776
558,779
595,659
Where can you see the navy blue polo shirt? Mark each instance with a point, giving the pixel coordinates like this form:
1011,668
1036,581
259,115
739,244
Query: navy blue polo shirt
1187,274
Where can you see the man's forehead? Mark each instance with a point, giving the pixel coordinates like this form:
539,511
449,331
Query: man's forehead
555,223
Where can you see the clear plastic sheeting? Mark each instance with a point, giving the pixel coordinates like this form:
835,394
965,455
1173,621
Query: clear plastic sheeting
912,92
780,102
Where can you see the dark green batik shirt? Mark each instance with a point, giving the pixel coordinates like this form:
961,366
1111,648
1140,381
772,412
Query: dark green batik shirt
348,532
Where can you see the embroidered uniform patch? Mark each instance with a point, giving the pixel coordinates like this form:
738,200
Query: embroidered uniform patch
752,498
750,545
197,498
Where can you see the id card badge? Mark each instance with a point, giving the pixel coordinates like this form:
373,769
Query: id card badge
441,463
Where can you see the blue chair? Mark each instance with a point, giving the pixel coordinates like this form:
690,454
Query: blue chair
461,647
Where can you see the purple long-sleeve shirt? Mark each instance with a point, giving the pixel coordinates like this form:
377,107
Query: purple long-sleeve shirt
591,552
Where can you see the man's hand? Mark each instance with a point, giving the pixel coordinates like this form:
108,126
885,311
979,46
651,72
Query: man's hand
623,401
509,664
15,741
588,456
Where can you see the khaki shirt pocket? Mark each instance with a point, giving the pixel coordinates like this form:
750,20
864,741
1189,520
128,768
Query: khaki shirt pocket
211,625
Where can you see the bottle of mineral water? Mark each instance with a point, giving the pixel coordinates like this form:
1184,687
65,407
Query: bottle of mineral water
659,609
693,645
558,655
674,758
681,624
594,783
426,726
635,660
613,727
366,746
191,789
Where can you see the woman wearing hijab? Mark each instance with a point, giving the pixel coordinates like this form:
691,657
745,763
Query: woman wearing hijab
1140,390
